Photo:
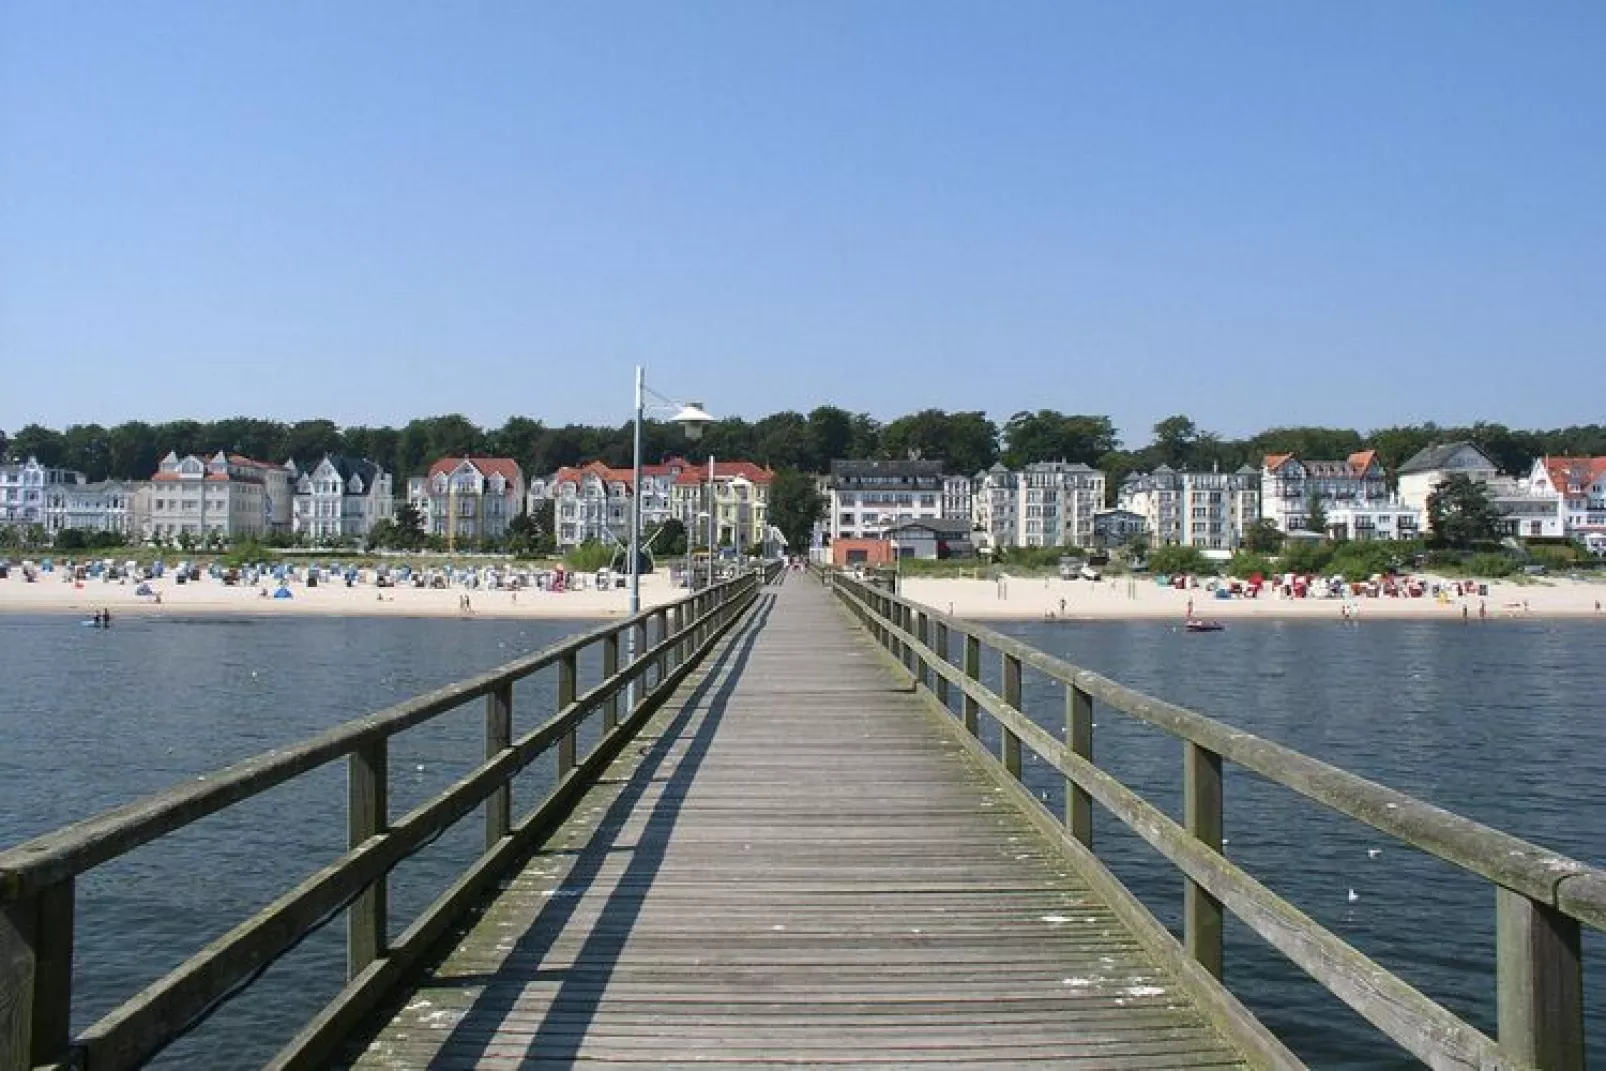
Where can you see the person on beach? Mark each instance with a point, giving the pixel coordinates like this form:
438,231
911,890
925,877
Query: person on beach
1483,610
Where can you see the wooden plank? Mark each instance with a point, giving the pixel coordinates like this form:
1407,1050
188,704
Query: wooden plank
610,666
498,738
568,673
789,865
1079,738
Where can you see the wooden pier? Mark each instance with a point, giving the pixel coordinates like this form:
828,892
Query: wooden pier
783,841
792,866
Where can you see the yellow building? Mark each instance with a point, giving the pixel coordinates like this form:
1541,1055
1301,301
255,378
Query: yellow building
741,503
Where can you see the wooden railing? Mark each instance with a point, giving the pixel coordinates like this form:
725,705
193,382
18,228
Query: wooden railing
37,878
1540,898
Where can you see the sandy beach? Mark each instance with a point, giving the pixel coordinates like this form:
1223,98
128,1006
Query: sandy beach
50,593
1140,598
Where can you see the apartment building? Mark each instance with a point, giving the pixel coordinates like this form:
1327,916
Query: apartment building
23,489
339,498
1045,504
1580,483
868,497
103,506
468,498
224,496
1208,510
1357,485
1529,509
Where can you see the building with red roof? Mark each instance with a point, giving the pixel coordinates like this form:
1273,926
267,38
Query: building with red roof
592,502
227,495
1581,483
467,499
1353,492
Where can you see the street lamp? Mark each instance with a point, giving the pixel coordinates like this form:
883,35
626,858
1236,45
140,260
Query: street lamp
690,416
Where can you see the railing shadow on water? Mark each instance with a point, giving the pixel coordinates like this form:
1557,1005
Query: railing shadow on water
38,879
1542,900
578,1000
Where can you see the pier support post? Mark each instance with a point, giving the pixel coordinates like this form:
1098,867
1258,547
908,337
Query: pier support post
1202,802
1541,983
1009,743
1079,738
367,815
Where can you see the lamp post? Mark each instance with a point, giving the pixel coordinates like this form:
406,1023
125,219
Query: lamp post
690,416
713,522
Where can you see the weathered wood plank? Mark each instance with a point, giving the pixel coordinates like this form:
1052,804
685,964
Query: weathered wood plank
789,865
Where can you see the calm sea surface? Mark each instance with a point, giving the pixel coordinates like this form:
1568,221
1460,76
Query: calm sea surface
1502,722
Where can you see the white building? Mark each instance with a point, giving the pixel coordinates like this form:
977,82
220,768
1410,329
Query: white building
1371,521
1208,510
340,498
1529,510
468,498
1046,504
1287,483
23,486
868,497
105,506
591,503
1580,483
225,496
1116,528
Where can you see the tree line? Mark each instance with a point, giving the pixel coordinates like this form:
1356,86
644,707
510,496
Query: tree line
968,441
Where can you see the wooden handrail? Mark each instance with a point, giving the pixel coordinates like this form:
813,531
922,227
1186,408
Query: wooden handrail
1543,896
37,878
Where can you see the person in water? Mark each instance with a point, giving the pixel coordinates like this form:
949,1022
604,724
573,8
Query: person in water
105,619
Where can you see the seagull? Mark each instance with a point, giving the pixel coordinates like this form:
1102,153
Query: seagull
1354,896
1373,853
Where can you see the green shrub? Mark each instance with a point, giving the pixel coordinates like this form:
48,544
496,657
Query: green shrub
1300,556
1490,565
1172,560
590,556
1362,561
1246,564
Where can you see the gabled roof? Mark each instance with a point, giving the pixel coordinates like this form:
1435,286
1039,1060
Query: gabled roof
1565,470
505,467
1353,466
1277,461
1436,457
942,526
684,473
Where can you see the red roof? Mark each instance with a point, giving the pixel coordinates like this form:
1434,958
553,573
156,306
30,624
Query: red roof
690,474
1581,470
1362,461
726,470
506,467
1276,461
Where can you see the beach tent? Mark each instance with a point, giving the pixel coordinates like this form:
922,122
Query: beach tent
283,593
144,589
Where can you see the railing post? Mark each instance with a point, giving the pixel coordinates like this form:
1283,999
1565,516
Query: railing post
923,634
610,670
36,945
1009,743
498,736
568,670
973,671
941,644
662,618
1202,913
1079,738
673,624
1541,983
367,815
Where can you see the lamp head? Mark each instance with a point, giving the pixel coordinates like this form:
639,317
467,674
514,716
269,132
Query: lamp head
693,418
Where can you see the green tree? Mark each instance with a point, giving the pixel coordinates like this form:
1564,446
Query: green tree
795,504
666,540
87,448
36,440
1315,513
1263,537
1174,440
968,442
1460,513
1246,564
1047,435
70,539
1304,556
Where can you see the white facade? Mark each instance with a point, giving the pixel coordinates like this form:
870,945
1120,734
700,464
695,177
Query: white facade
1046,504
1529,510
1580,483
340,498
1208,510
1374,521
868,497
107,506
1287,484
468,498
223,496
23,487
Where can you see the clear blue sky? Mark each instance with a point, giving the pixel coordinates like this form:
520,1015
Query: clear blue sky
1254,213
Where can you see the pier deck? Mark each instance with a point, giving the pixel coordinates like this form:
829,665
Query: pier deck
791,864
